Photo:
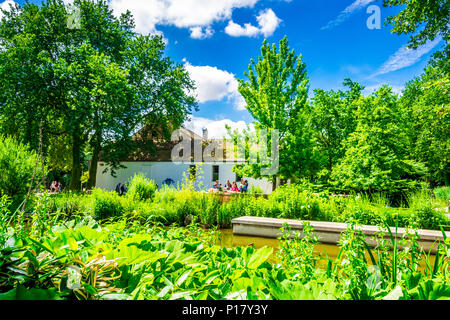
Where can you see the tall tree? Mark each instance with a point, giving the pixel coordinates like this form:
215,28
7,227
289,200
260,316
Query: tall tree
377,157
334,119
276,92
95,83
426,103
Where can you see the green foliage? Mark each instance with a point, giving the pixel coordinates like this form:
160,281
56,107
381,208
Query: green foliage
17,165
181,207
276,96
424,213
442,193
426,104
376,158
423,20
141,188
127,260
106,205
102,80
255,190
297,254
70,203
334,119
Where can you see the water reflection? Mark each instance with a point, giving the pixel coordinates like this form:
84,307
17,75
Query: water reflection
229,240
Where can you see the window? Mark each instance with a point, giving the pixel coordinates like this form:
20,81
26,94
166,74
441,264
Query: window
238,179
215,173
192,172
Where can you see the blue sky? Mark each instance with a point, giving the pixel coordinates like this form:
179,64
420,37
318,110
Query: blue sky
215,40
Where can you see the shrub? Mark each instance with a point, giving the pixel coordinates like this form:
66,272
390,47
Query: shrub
442,193
423,213
70,203
255,190
107,204
141,188
17,164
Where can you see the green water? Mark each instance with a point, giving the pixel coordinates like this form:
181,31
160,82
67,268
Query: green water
229,240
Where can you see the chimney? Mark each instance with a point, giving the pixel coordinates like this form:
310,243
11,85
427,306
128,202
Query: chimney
205,134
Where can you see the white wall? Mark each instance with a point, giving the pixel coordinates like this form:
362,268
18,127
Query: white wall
160,171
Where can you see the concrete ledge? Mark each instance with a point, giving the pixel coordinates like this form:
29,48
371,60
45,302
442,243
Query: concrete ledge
327,232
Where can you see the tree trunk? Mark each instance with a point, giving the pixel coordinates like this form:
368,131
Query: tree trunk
93,168
274,183
75,178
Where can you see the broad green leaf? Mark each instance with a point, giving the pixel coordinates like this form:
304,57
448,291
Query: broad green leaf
183,277
259,257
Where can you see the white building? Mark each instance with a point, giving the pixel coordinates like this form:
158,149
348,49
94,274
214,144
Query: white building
161,169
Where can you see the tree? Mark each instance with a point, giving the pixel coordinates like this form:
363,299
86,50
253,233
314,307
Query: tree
377,155
333,119
95,83
425,20
276,95
426,103
425,99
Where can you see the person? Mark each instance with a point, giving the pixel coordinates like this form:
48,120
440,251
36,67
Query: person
119,189
123,190
59,188
168,182
52,187
235,187
241,186
245,187
228,185
55,187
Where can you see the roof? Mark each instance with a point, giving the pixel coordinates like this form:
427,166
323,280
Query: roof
160,149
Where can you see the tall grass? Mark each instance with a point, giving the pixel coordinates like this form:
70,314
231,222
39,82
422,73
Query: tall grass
170,205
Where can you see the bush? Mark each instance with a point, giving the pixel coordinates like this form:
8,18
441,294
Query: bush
424,214
141,188
17,164
70,203
442,193
107,204
255,190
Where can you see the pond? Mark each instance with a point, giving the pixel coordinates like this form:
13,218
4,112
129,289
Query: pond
322,250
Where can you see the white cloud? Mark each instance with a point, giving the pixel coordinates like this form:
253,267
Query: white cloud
6,5
347,12
201,33
371,89
216,128
405,57
180,13
267,21
214,84
235,30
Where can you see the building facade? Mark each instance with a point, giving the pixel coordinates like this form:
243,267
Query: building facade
160,168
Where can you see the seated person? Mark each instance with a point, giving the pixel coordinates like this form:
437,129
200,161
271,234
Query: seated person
235,187
244,187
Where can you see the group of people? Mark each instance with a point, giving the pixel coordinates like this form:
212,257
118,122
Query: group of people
55,187
121,189
231,187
